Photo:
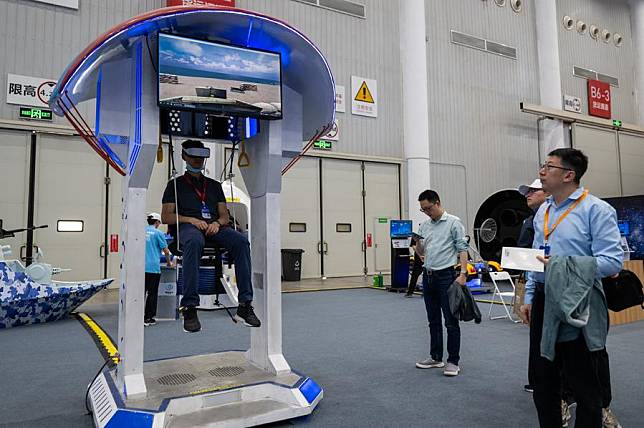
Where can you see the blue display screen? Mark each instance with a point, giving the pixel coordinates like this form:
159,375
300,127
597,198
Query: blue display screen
400,228
213,77
630,219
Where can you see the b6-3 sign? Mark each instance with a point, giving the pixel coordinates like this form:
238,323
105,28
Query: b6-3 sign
599,99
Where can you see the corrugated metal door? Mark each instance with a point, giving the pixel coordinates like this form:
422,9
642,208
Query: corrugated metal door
14,164
631,160
70,186
382,203
343,223
300,219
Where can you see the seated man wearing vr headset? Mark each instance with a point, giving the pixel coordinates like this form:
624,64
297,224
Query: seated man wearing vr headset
199,207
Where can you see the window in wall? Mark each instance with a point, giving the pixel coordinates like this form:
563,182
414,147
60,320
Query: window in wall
343,6
70,226
297,227
343,227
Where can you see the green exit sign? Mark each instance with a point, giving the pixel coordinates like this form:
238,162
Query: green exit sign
323,145
35,113
617,123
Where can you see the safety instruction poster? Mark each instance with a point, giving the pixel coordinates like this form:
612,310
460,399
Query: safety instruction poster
364,96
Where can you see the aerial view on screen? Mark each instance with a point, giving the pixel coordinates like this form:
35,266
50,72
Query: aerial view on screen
211,76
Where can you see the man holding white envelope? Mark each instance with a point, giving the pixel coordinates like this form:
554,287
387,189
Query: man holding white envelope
571,222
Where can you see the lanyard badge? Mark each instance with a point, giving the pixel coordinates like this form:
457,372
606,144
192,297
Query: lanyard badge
205,212
547,232
546,248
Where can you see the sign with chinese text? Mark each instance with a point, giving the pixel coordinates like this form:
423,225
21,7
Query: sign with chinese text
599,99
29,91
230,3
340,105
364,96
35,113
572,103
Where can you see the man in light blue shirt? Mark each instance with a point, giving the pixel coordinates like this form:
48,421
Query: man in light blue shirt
571,222
443,244
155,243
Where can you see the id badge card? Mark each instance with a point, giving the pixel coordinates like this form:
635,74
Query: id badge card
205,212
546,249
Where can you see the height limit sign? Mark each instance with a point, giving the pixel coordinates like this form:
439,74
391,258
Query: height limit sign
364,96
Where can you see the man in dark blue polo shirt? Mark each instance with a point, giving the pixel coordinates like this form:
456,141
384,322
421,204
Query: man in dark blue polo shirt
200,210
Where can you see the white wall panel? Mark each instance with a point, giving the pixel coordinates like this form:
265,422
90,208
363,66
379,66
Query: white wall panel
600,145
354,46
606,58
38,39
474,97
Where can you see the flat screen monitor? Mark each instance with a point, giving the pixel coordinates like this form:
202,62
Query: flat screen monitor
400,228
624,227
630,220
217,78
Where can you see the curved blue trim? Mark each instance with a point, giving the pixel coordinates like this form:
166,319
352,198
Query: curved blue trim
152,26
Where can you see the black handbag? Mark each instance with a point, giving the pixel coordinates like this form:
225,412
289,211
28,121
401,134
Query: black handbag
623,291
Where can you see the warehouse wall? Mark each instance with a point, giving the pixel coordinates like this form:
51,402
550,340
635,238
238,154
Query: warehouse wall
474,97
582,51
39,40
354,46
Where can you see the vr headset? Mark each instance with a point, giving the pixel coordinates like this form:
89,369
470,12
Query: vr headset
197,152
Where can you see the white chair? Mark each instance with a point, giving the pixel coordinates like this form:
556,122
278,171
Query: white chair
503,296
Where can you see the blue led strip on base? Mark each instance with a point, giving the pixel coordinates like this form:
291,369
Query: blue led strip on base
310,390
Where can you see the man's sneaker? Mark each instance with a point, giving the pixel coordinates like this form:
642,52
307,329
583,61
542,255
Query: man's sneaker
191,322
246,315
430,363
528,388
149,322
409,294
451,370
609,420
566,416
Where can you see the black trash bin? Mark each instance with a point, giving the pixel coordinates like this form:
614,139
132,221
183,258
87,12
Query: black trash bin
291,264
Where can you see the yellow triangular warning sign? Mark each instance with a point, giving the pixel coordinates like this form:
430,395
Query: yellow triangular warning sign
364,94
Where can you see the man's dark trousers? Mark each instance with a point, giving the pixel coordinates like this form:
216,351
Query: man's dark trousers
152,294
580,366
435,285
417,269
192,242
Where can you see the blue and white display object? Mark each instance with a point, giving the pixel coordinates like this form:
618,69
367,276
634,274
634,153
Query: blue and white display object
26,301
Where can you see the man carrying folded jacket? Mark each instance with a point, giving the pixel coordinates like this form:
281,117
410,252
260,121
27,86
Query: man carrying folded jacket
571,223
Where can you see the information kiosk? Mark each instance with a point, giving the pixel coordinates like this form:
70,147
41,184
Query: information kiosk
400,235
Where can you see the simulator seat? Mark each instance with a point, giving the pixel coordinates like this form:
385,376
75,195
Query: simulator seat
210,267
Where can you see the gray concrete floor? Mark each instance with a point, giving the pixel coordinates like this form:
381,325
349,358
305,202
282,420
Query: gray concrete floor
110,295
